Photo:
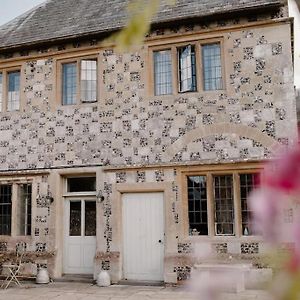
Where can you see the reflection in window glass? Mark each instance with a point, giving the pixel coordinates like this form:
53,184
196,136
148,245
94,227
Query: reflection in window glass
24,210
212,67
81,184
224,210
247,184
69,86
13,99
88,80
162,72
5,209
197,203
90,218
187,69
75,218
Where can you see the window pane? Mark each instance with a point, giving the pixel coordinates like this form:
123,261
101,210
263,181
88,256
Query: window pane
247,184
13,99
69,86
81,184
197,203
90,218
187,69
75,218
162,72
224,209
88,80
212,67
5,209
24,210
1,92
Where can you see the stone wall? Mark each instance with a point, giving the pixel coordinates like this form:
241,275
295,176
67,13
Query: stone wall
129,127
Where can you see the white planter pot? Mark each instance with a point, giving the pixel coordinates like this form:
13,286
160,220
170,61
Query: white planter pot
103,278
42,276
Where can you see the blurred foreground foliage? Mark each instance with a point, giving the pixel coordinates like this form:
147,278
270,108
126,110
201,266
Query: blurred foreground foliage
140,14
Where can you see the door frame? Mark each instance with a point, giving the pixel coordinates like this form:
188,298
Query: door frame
66,218
170,242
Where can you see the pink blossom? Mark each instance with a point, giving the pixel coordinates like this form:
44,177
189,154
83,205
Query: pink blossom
284,173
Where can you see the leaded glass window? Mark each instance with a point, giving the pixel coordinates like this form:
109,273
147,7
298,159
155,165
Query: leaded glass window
88,80
224,207
247,184
162,72
5,209
197,205
187,69
24,210
13,99
212,67
90,218
75,218
69,83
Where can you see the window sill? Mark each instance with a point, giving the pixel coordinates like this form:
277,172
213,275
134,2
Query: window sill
194,93
224,238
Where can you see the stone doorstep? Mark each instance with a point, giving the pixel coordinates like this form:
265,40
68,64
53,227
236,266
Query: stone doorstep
140,283
76,278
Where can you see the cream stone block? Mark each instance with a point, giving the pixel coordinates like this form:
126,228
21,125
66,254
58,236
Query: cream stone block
222,145
174,132
150,176
247,116
244,143
186,156
233,153
40,62
268,114
256,152
261,51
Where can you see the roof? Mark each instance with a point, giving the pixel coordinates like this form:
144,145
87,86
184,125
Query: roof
63,19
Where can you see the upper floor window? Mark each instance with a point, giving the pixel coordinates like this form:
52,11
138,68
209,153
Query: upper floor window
84,72
13,97
10,90
187,69
217,191
212,67
198,67
163,72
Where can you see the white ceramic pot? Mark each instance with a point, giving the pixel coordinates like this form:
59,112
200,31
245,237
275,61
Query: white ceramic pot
103,278
42,276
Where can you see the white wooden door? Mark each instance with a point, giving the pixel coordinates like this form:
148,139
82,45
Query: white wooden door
80,236
143,236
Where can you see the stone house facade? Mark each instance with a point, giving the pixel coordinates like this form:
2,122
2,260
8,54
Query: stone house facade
131,161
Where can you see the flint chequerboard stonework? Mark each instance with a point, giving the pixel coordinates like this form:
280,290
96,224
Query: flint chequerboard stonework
71,172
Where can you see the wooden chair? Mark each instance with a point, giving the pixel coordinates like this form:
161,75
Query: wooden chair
13,268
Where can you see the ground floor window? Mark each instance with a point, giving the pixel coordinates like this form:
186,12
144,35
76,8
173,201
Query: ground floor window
15,208
217,203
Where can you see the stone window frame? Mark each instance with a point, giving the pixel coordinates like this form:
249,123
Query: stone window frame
173,47
15,184
59,78
4,94
209,172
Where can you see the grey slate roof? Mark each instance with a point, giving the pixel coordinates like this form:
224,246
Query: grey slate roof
63,19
